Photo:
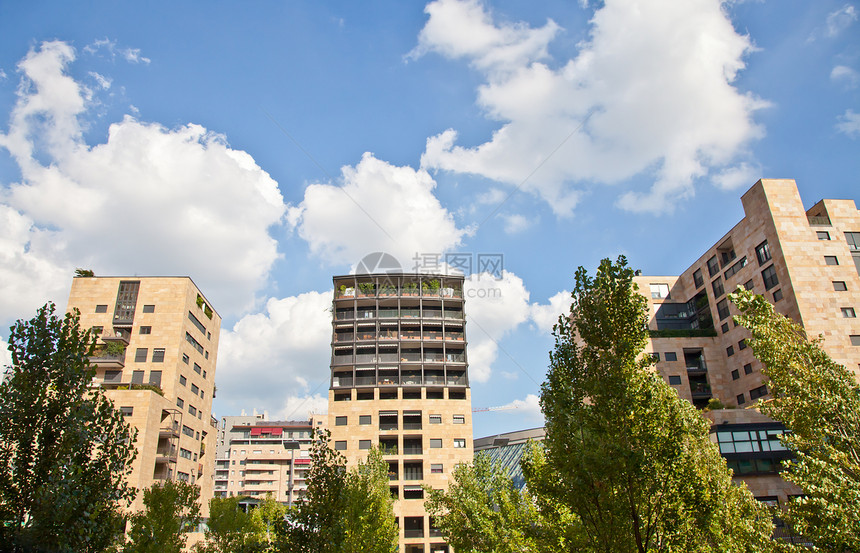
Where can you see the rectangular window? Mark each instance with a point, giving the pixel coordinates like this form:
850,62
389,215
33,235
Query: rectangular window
717,285
340,421
459,442
180,402
777,295
435,443
713,266
155,378
140,355
736,374
735,268
435,419
848,313
137,377
742,345
748,368
196,322
762,253
146,330
769,277
823,235
187,431
674,380
126,411
855,339
194,389
101,309
839,286
192,410
184,453
655,357
853,239
670,356
723,308
748,285
158,355
697,278
364,419
730,351
831,260
459,419
659,291
741,399
182,379
725,327
197,368
436,468
194,343
756,393
148,308
363,444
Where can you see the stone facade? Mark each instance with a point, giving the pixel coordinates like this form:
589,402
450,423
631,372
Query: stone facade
400,382
164,379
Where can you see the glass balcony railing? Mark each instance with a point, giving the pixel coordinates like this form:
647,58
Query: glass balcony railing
432,313
342,381
387,313
365,380
344,337
456,380
455,315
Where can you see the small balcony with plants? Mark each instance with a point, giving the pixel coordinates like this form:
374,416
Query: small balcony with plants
109,355
431,288
344,291
366,289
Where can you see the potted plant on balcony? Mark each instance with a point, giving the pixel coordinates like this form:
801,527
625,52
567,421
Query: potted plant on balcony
410,289
366,288
113,349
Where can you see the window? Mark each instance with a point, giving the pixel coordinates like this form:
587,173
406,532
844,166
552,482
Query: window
853,239
340,445
183,476
192,410
140,355
158,355
736,374
190,339
748,368
742,345
769,277
196,322
762,253
823,235
194,389
717,285
413,470
149,309
748,285
364,419
204,374
187,431
185,358
831,260
155,378
735,268
184,453
413,492
839,286
756,393
730,351
723,308
655,357
435,419
674,380
848,313
459,442
855,339
126,411
741,399
197,368
725,327
146,330
183,380
777,295
697,278
101,309
459,419
180,402
435,443
670,356
363,444
436,468
340,421
659,291
713,266
202,393
137,377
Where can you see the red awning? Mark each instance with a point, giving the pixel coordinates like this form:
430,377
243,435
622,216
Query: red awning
277,431
303,461
256,431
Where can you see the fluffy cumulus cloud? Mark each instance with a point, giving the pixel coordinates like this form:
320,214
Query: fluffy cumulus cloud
546,316
648,95
849,123
150,200
378,207
278,360
527,410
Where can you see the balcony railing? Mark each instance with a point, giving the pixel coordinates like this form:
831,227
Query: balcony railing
456,380
107,360
455,315
344,337
818,221
387,313
365,380
341,381
699,389
432,313
456,357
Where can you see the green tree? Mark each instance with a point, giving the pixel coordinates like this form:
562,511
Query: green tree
483,511
230,528
342,512
65,451
171,509
623,454
267,516
819,400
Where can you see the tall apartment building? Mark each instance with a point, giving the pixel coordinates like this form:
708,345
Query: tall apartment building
399,380
257,457
158,343
807,263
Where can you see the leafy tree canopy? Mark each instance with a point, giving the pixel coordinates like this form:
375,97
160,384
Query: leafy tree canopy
171,508
819,400
65,451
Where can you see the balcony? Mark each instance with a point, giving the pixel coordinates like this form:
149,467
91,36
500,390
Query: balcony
455,357
432,313
344,337
700,390
387,313
108,359
818,220
365,335
410,313
342,381
365,380
456,336
454,315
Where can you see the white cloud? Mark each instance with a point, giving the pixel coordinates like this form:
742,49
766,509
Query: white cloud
651,89
5,356
150,200
271,360
841,19
377,207
493,196
131,55
731,178
101,80
846,76
299,408
545,316
528,408
849,123
516,223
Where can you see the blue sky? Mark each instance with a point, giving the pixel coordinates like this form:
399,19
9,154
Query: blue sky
262,147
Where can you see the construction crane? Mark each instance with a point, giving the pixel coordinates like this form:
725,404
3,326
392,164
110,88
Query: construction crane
499,408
